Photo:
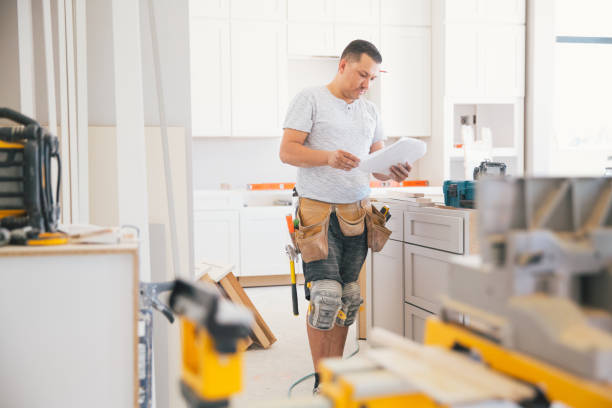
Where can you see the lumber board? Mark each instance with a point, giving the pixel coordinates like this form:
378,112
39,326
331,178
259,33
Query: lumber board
231,279
260,336
602,208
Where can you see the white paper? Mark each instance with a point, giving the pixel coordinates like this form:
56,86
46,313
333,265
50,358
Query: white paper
404,150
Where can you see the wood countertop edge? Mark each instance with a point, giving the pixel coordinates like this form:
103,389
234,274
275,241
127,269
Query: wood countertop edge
70,249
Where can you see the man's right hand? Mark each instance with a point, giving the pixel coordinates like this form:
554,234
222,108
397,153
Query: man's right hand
342,160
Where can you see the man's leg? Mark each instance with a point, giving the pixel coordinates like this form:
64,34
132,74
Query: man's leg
326,343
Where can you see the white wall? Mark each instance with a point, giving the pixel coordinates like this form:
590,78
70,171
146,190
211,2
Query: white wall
238,162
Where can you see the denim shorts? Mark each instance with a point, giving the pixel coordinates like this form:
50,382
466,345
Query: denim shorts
344,261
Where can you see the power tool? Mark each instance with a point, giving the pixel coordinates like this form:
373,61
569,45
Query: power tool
27,204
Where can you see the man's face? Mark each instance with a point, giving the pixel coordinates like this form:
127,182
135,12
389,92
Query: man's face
357,75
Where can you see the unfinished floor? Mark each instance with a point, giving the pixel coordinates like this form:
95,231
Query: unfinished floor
268,374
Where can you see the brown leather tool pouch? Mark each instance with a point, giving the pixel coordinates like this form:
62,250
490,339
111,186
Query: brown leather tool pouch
311,237
351,218
378,234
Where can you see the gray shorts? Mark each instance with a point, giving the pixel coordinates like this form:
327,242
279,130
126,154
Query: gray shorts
344,261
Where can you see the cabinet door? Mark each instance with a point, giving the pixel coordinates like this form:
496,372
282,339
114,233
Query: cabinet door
405,12
345,33
210,77
461,10
216,237
414,324
406,87
506,11
425,276
263,237
310,39
209,8
503,59
319,11
357,11
387,288
258,78
462,66
258,10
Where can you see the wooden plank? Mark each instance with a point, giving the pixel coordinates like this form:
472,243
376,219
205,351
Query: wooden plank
268,280
231,280
234,296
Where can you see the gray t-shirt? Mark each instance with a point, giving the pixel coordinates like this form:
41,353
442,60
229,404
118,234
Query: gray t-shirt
333,124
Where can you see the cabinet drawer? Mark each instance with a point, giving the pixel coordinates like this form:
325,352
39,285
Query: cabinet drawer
414,322
434,231
425,276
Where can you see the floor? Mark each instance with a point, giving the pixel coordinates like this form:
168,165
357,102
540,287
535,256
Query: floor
268,374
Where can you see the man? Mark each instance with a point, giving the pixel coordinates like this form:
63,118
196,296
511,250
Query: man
326,130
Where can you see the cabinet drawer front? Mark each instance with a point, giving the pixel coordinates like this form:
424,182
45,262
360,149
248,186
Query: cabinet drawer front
434,231
425,276
414,322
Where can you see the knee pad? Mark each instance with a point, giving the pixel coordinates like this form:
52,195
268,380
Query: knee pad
351,300
325,303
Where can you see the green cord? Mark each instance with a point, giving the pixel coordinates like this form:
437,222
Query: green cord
304,378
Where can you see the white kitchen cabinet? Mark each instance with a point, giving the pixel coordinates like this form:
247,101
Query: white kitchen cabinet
209,8
258,10
414,322
263,237
406,86
405,12
425,276
210,77
485,11
503,60
485,60
319,11
345,33
217,237
308,39
259,78
357,11
387,288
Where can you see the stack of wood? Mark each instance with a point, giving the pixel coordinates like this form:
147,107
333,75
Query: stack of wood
227,285
413,199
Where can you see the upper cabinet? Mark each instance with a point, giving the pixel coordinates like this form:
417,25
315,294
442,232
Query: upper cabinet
485,60
345,33
405,12
406,86
485,11
258,78
319,11
357,11
258,10
210,77
209,8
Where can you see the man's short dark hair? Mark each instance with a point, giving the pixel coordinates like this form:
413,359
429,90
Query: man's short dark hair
355,48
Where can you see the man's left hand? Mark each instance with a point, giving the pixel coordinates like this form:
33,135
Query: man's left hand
398,173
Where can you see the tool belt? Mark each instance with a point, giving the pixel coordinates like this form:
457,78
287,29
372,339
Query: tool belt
353,218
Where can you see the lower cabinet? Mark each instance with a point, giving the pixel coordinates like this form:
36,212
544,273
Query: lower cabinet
414,322
263,237
388,288
216,237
